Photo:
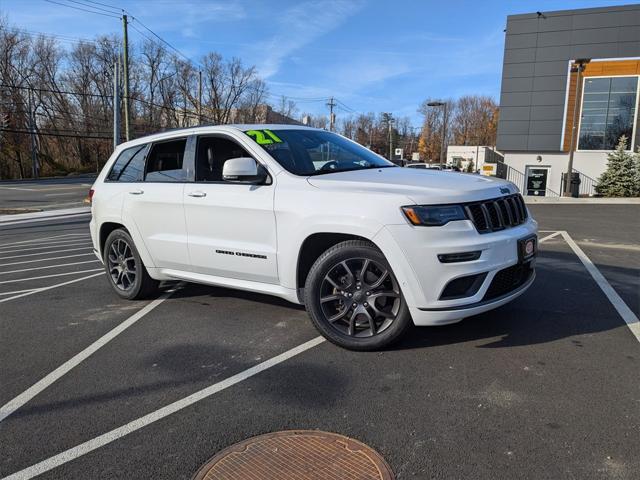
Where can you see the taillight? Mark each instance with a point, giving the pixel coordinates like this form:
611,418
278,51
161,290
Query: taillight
89,199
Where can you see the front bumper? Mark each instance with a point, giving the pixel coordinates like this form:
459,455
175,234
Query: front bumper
413,253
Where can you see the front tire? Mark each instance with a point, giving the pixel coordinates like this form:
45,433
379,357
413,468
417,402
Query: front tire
354,299
126,272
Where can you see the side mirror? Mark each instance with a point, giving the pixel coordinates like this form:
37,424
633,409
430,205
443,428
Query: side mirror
243,170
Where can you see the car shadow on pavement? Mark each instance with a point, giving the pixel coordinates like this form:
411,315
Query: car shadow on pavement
210,293
563,302
180,367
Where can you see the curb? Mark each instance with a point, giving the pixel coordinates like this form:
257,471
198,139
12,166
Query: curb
579,201
46,215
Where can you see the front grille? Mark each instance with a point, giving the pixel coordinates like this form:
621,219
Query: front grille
508,279
498,213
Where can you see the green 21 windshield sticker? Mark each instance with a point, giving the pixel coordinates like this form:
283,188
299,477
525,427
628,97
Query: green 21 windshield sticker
263,137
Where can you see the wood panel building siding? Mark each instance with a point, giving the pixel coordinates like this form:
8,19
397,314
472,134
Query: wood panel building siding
594,69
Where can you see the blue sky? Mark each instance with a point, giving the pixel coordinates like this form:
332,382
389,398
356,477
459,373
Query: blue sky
373,55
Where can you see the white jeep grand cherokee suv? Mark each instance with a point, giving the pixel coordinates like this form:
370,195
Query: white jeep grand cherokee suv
314,218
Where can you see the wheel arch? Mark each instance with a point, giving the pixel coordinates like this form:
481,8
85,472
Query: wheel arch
105,230
110,225
315,245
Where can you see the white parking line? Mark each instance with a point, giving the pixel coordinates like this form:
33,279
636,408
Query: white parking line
52,218
49,266
18,188
44,253
45,259
18,291
66,244
623,310
41,240
50,287
549,237
49,276
58,243
106,438
63,369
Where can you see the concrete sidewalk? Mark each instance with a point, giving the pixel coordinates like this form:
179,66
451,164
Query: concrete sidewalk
582,201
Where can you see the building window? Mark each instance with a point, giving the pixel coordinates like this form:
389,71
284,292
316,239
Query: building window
608,112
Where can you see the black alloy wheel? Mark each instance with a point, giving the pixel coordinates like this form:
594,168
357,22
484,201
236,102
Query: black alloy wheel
354,298
359,297
126,272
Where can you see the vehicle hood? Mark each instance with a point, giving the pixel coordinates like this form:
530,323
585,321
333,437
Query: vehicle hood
420,186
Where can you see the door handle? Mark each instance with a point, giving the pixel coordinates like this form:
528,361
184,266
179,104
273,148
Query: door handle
136,192
197,194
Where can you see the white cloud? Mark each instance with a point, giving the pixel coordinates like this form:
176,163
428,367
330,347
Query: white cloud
299,25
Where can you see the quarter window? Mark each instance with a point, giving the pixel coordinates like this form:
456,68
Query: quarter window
608,112
166,162
129,167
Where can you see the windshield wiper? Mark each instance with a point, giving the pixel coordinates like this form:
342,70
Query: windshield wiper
377,166
324,172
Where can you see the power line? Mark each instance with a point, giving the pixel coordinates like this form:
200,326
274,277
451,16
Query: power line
55,36
91,6
92,137
82,9
144,35
345,106
135,19
48,90
104,5
97,95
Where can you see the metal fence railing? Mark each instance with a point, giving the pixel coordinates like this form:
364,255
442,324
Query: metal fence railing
587,184
520,179
515,176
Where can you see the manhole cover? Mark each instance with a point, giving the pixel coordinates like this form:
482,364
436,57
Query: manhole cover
297,454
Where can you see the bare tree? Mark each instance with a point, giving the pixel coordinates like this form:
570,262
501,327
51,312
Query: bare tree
226,84
286,107
475,121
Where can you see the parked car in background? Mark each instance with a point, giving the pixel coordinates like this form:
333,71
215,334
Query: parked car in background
423,166
310,216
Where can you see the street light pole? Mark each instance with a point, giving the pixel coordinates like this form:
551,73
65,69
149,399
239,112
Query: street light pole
578,67
444,128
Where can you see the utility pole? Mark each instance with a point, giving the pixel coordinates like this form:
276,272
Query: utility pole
32,130
116,104
200,97
411,145
578,67
125,64
332,116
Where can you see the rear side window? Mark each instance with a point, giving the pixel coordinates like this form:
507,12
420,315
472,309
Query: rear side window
166,161
129,167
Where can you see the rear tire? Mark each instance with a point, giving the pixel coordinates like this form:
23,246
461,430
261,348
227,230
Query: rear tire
354,299
126,273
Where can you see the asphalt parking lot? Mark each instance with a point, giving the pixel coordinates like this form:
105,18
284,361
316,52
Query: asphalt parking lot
44,194
93,386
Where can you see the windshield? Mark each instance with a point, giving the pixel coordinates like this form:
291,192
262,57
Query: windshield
315,152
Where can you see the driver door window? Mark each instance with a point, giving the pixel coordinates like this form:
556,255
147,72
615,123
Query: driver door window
211,154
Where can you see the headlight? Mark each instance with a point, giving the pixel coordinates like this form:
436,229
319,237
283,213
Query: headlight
434,216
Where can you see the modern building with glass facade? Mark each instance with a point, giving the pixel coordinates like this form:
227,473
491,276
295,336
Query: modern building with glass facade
543,87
